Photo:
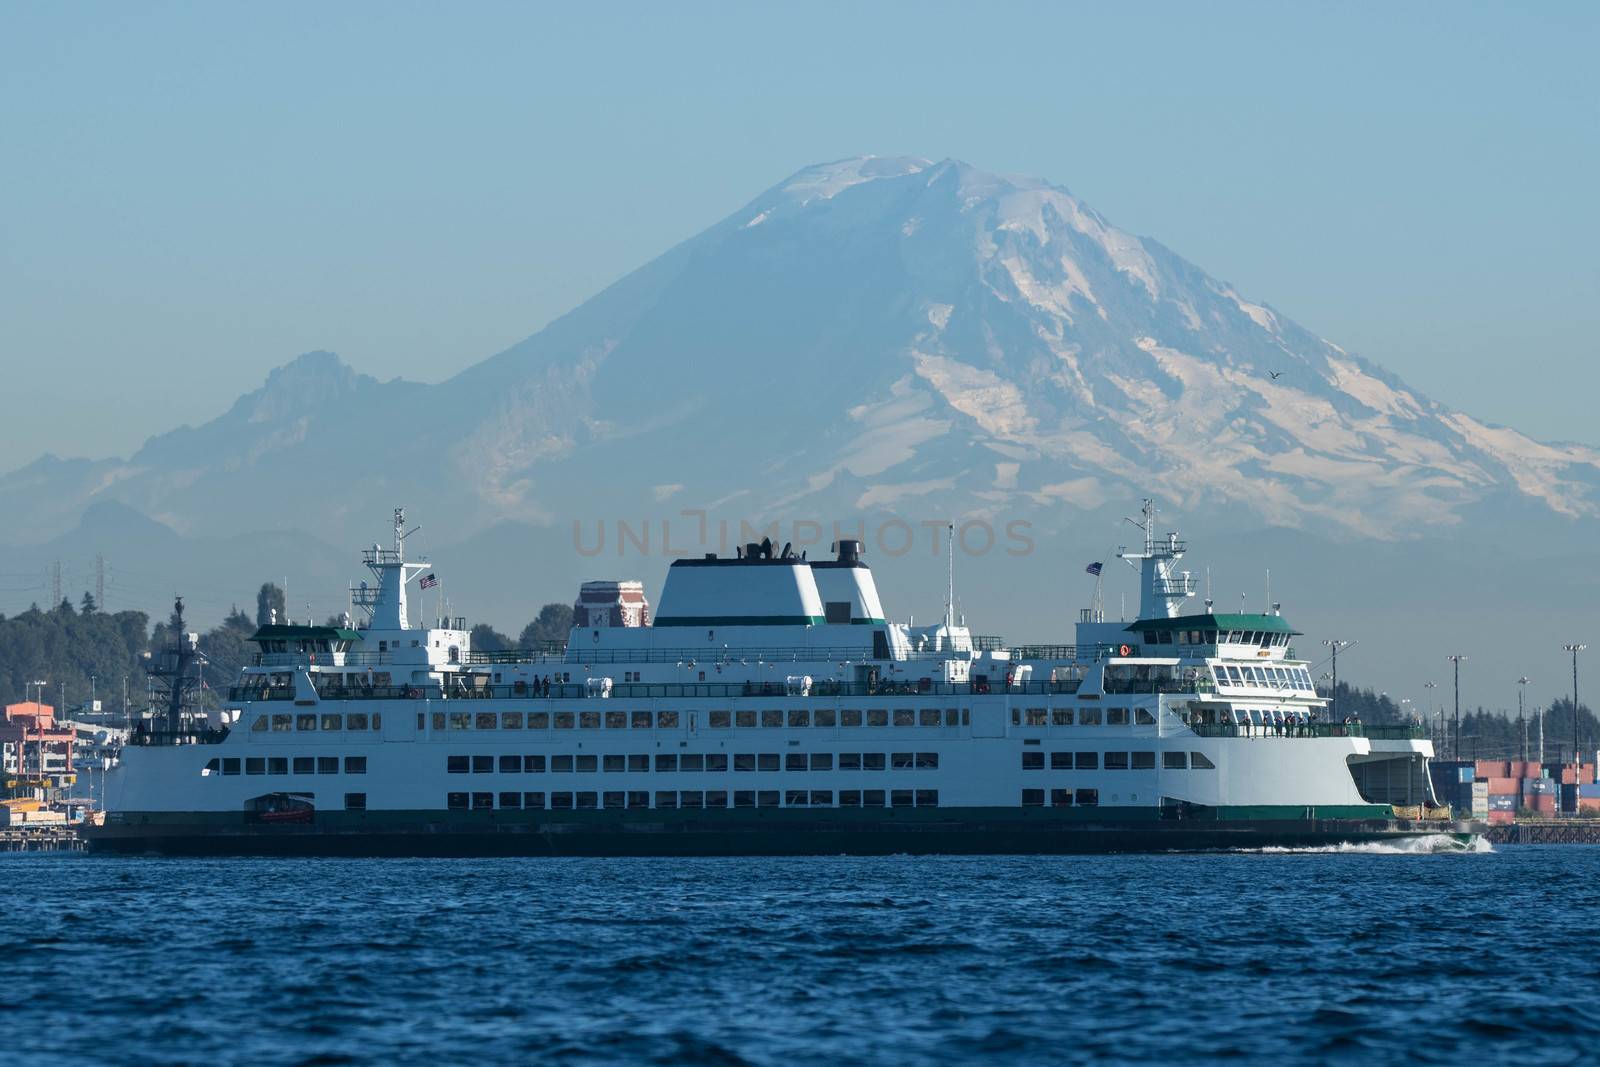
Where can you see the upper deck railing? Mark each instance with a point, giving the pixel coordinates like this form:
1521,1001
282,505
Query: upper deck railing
1312,729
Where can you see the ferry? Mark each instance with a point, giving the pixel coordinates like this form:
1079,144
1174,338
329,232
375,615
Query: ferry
767,705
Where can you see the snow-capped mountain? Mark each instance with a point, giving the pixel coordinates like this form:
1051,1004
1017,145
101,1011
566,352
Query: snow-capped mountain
870,336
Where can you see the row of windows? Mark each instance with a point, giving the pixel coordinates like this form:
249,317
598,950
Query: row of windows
695,799
1266,677
695,762
1081,716
1259,638
286,765
1117,761
327,721
715,720
1061,798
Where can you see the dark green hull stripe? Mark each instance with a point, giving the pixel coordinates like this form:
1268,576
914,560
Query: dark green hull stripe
739,620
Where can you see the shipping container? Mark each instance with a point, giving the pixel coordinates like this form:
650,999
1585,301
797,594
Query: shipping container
1492,768
1501,786
1499,817
1589,791
1480,789
1503,802
1539,786
1465,774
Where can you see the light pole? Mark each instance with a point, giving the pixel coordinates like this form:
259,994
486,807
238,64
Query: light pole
1336,645
1577,759
1522,703
1427,716
1455,662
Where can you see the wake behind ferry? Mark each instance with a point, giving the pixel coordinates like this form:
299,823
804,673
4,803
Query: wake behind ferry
767,706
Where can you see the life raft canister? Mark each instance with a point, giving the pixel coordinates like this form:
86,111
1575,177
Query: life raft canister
1125,650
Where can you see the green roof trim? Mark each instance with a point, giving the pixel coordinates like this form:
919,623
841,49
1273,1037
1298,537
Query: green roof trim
1272,624
305,633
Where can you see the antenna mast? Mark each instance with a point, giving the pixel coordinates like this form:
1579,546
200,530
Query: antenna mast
950,602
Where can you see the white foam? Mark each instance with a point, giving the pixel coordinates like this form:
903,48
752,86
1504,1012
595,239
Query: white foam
1423,845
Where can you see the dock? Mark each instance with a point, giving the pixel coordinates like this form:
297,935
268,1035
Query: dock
1565,832
40,839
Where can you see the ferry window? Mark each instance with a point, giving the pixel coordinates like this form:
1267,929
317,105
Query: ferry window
1116,761
1087,798
538,720
767,761
533,764
850,798
1174,761
616,720
1199,762
258,724
794,761
438,720
719,720
744,798
744,718
510,720
456,764
355,802
1033,761
1086,761
588,764
305,765
1036,717
560,764
667,720
952,717
456,801
511,800
588,720
565,720
638,799
772,718
716,798
850,717
666,801
825,717
614,764
667,762
1089,717
873,761
357,720
483,802
277,765
1061,761
905,717
796,798
612,801
927,761
744,761
1061,798
767,798
331,722
305,722
1116,716
639,763
1144,761
902,761
482,764
327,764
355,765
872,798
533,800
642,720
927,798
510,764
717,762
849,761
1033,798
799,717
1061,717
561,801
255,765
1143,717
877,717
822,761
691,761
691,799
966,716
460,720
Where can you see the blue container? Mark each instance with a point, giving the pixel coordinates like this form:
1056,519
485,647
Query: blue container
1503,802
1541,786
1589,791
1464,774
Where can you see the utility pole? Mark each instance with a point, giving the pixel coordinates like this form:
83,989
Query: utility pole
100,583
55,585
1427,716
1577,758
1455,662
1336,645
1522,693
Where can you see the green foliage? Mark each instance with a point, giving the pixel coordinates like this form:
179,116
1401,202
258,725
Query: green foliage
268,598
65,647
552,624
486,638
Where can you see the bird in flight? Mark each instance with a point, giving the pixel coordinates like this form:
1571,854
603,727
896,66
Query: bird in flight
1275,374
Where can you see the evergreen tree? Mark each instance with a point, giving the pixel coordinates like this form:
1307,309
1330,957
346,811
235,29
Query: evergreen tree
88,607
553,623
268,598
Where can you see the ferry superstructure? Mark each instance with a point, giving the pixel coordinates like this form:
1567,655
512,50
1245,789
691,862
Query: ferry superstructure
769,706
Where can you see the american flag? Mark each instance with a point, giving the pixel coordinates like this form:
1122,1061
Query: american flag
428,582
1094,569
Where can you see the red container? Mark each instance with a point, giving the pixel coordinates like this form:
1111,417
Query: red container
1500,817
1493,768
1543,803
1504,785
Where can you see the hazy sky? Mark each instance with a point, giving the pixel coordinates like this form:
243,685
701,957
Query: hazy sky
194,194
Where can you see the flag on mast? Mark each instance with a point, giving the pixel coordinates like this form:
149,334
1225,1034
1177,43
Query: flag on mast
428,582
1094,569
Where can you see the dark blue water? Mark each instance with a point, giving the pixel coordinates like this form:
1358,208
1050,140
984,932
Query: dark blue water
1347,956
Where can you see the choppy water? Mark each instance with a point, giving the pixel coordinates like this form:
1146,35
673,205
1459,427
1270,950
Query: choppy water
1354,955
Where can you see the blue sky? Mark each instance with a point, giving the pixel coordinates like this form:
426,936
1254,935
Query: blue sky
197,193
